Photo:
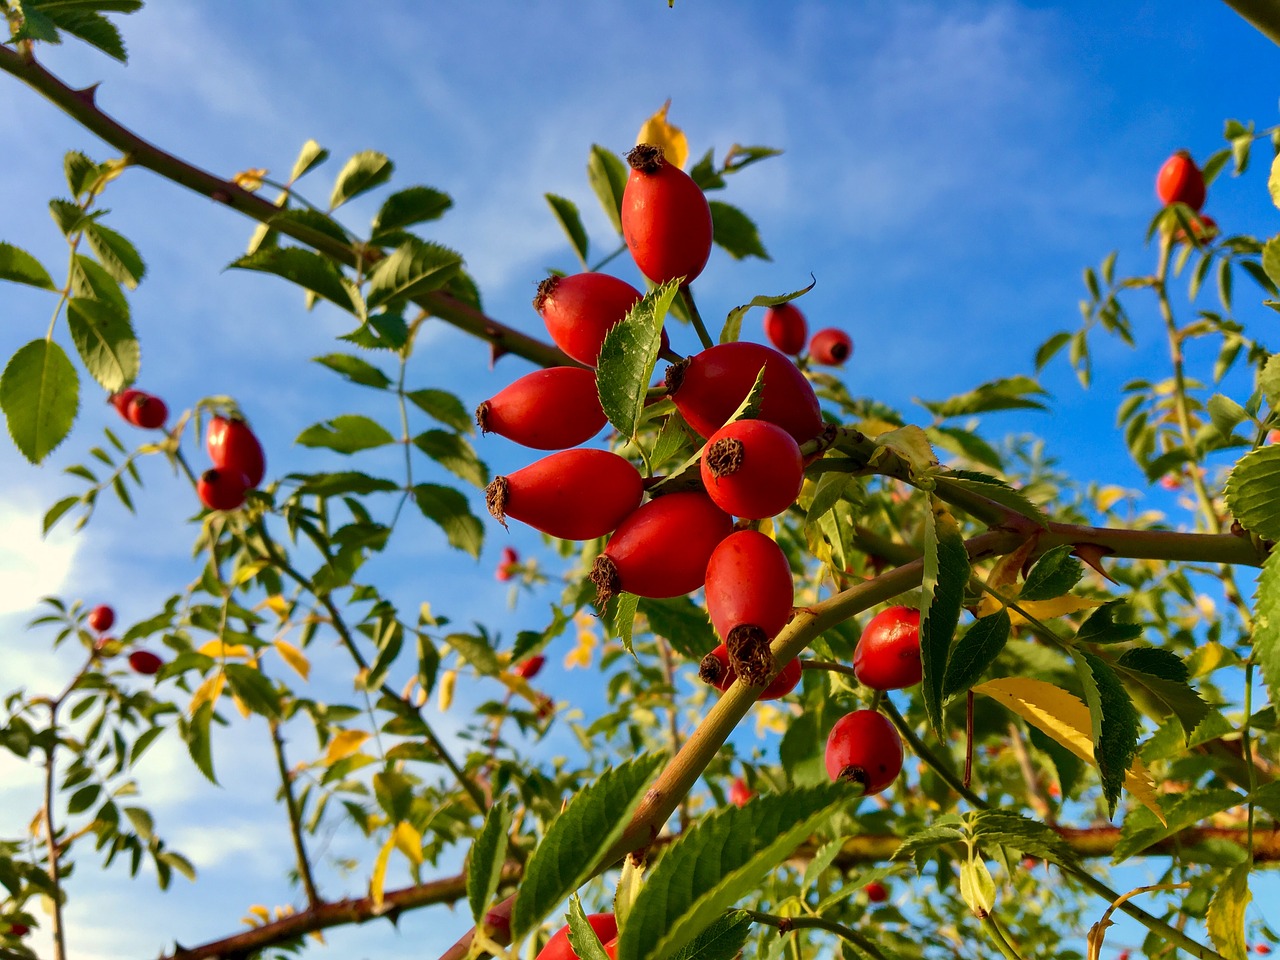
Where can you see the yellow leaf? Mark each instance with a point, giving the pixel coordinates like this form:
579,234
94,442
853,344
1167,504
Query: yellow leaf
769,719
1004,578
260,912
409,842
1048,609
1066,719
248,571
294,658
875,428
379,877
226,651
208,692
344,744
447,681
250,179
241,705
674,144
276,604
580,655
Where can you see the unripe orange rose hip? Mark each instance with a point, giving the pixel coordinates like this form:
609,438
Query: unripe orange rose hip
666,220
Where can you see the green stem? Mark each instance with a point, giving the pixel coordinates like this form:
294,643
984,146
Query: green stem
787,924
998,938
687,296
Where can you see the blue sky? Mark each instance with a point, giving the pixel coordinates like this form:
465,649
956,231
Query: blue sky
949,169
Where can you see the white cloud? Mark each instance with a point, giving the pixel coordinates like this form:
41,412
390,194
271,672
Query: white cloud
31,565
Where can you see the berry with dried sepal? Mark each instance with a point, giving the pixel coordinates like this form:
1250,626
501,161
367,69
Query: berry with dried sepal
666,220
864,748
579,310
571,494
551,409
752,469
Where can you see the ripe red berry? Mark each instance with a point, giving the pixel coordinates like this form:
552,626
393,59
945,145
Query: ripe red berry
122,400
101,618
749,583
580,309
234,447
531,667
666,220
752,469
716,670
1203,229
1262,948
888,653
709,386
18,930
786,328
1180,181
863,747
739,792
1122,955
662,548
145,662
222,489
551,409
146,411
611,949
572,494
830,347
506,565
876,892
604,924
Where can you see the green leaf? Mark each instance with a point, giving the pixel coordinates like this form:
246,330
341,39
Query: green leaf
56,513
721,860
584,942
1266,625
83,799
828,491
92,28
607,174
448,508
309,157
414,268
310,220
347,434
1273,181
116,254
1271,259
1053,575
1046,351
69,217
407,207
105,341
195,733
723,940
1141,828
254,690
1115,723
567,855
336,484
975,651
682,623
308,270
995,489
1028,837
1226,414
1009,393
477,651
454,454
39,394
566,212
1225,919
488,855
624,618
362,172
444,407
1102,627
735,233
732,328
628,356
1253,492
921,844
967,444
1269,380
21,267
89,279
946,572
354,369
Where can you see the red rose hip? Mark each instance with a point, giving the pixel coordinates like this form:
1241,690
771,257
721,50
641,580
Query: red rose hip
222,489
786,328
234,447
576,494
579,310
101,618
528,669
146,411
551,409
749,583
708,387
876,892
1180,181
506,566
830,347
739,793
863,747
888,653
666,220
752,469
558,947
716,670
145,662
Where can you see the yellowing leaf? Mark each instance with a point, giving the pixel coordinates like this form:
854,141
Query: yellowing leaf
769,719
875,428
208,692
226,651
409,842
1004,578
379,877
448,680
656,130
276,604
1066,719
1108,497
294,658
241,706
258,915
344,744
1048,609
250,179
580,655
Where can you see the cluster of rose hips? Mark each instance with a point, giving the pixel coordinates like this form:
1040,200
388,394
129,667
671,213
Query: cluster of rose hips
101,619
238,464
786,328
1180,180
140,408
